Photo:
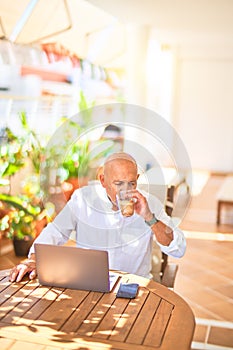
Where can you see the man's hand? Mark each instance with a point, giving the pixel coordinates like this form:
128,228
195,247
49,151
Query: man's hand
20,270
163,233
141,206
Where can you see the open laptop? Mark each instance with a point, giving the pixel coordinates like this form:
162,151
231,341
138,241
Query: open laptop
75,268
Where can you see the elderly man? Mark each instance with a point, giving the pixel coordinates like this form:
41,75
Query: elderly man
93,213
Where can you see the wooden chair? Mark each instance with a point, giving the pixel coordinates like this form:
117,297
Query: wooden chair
168,270
162,270
170,200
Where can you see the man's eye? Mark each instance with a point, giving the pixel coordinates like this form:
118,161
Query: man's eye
132,184
118,183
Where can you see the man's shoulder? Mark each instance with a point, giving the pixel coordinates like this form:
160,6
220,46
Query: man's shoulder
90,190
92,196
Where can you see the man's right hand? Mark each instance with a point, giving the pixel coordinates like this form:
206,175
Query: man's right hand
20,270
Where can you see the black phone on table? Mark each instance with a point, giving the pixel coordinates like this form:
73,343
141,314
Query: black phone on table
127,290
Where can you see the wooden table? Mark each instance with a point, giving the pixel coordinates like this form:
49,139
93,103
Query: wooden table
38,317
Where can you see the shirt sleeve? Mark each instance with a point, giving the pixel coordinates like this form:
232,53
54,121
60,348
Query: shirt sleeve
177,247
58,231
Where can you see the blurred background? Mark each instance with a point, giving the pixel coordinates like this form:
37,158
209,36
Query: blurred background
174,58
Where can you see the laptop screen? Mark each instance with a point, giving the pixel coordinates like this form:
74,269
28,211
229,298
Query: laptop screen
73,267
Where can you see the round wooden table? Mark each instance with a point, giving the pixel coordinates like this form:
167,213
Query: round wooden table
38,317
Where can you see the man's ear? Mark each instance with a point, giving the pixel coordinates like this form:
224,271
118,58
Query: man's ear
99,171
101,178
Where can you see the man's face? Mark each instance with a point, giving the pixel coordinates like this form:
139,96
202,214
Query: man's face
119,174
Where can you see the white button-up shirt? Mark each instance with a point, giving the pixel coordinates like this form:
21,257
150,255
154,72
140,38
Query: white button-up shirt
128,240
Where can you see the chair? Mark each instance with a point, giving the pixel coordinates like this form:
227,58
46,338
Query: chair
168,270
170,200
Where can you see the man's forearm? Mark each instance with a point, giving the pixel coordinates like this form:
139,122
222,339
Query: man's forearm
163,233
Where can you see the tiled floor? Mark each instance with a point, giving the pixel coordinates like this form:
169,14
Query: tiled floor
205,275
204,280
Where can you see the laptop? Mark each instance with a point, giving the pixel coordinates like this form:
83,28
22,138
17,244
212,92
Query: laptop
73,267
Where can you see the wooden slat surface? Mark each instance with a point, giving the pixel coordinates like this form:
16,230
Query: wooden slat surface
159,324
142,324
33,314
128,319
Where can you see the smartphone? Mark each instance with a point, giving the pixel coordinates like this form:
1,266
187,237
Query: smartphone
127,290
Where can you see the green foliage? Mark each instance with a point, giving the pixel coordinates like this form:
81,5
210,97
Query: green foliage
85,107
17,149
21,216
77,160
12,154
34,146
80,158
22,203
18,224
15,153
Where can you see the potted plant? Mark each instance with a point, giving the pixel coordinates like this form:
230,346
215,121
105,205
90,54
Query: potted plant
17,151
82,157
77,164
12,156
19,222
22,216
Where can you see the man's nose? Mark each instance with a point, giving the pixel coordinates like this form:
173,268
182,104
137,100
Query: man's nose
128,186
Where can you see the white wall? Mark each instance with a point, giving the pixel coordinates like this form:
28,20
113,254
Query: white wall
203,114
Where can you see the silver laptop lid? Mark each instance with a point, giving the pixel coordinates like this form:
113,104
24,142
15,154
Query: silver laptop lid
72,267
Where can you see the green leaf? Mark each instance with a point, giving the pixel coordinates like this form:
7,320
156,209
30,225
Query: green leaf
23,119
20,203
11,169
